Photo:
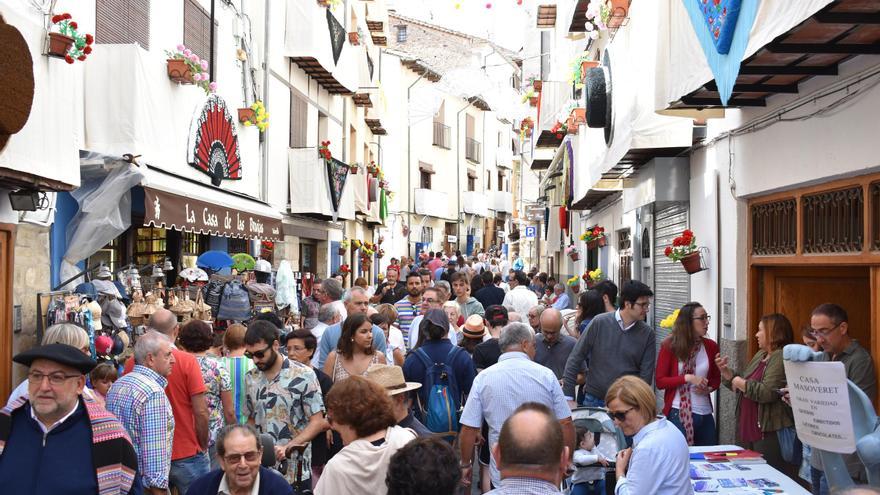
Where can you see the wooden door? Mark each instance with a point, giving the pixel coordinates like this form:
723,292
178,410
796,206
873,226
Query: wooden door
7,243
796,291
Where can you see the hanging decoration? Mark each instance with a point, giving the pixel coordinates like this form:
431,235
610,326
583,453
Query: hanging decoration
722,28
337,35
65,41
337,173
17,90
213,145
568,189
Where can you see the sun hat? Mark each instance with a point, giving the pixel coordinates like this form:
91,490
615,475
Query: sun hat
390,378
474,327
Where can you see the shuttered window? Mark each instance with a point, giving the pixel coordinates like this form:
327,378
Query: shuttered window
299,113
197,29
123,22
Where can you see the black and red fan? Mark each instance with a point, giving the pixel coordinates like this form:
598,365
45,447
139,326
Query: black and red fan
214,142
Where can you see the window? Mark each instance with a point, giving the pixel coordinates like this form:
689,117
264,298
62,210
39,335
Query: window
545,54
191,246
427,236
401,33
500,180
238,246
110,255
299,114
149,245
488,180
425,179
472,183
122,22
197,29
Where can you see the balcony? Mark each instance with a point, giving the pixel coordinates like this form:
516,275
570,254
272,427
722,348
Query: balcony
432,203
308,170
475,203
504,156
502,201
311,47
472,150
442,135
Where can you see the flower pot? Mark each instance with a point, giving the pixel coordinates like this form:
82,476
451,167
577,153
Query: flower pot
341,251
571,126
537,84
533,101
247,115
574,255
354,38
603,241
178,71
59,44
619,10
593,244
579,115
586,65
691,263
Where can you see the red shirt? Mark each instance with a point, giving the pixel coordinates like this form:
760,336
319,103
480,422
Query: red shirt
184,381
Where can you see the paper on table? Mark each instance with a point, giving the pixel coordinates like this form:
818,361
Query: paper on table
820,403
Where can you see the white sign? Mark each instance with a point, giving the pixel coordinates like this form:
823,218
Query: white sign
820,402
531,231
451,238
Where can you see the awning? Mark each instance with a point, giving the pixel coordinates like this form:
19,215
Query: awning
170,203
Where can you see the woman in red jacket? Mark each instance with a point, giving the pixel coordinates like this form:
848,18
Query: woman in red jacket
687,374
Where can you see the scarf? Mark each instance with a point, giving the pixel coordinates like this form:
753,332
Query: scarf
684,395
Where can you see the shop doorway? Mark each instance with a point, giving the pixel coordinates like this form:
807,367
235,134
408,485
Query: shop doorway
796,291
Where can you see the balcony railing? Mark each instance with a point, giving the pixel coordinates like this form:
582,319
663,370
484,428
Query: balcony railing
432,203
475,203
442,135
472,150
502,201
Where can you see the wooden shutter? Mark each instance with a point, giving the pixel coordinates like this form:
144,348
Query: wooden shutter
197,29
299,113
123,21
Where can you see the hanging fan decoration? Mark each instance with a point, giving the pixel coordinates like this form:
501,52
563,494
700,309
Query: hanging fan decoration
337,173
213,146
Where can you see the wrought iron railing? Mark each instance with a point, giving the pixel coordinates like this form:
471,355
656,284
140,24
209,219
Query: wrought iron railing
472,150
442,135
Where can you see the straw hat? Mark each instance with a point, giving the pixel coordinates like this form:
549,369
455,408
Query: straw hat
390,378
474,327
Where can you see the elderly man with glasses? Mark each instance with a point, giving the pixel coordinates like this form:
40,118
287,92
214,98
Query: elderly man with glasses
55,440
240,452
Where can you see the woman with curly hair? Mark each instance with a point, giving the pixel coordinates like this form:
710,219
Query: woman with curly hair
362,413
409,474
196,338
354,352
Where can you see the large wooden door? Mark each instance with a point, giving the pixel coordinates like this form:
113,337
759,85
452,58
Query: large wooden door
796,291
7,243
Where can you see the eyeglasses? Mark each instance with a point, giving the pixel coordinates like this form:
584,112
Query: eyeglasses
429,301
251,456
258,354
823,332
702,318
620,415
55,379
645,305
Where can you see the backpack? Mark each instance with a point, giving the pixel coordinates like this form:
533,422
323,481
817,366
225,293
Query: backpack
212,292
440,412
235,303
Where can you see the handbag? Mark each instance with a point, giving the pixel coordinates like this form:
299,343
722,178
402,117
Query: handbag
202,311
790,446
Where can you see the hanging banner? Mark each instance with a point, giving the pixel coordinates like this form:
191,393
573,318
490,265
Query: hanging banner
383,205
170,211
337,173
213,142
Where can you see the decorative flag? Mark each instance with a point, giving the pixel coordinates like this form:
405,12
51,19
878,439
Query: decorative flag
722,28
383,205
337,173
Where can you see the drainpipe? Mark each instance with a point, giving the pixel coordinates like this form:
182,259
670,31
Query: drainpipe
458,172
264,167
410,203
483,158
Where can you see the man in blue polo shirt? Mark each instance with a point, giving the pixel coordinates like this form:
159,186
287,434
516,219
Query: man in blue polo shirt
356,301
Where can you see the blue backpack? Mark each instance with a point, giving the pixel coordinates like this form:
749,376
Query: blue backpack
440,412
235,304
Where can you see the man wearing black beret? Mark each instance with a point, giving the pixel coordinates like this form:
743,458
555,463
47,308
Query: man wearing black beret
54,435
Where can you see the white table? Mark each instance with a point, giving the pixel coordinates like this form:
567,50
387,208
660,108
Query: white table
762,470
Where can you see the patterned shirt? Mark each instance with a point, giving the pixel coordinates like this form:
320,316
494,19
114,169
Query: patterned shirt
406,313
138,400
503,387
282,407
525,486
237,367
217,380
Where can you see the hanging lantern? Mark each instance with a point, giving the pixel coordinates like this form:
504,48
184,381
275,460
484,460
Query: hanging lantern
563,218
168,267
157,272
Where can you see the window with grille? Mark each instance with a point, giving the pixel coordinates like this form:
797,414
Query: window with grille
427,235
197,29
401,33
472,183
299,114
425,179
150,245
238,246
123,22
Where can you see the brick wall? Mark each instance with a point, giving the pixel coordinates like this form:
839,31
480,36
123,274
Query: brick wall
31,275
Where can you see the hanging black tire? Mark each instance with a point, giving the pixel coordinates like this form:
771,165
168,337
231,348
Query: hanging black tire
597,98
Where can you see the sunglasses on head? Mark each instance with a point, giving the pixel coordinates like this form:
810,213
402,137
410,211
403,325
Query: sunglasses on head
259,354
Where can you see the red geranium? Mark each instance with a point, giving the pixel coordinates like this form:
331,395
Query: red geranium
73,24
668,251
87,50
68,59
89,39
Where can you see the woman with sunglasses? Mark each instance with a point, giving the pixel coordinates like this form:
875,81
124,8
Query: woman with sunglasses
658,462
760,411
355,352
687,373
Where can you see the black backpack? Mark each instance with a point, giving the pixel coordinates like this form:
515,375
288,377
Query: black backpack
212,293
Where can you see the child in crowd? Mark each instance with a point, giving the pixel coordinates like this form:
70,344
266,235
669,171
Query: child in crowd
102,377
588,478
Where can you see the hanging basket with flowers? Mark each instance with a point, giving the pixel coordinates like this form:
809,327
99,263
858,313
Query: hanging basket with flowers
593,277
669,321
572,251
344,270
594,237
684,249
255,115
185,67
343,247
559,129
324,150
65,41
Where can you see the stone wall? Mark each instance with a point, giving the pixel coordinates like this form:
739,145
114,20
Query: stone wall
737,351
31,275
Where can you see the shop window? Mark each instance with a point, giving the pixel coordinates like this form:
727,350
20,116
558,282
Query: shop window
308,254
197,30
238,246
150,245
110,255
123,22
191,246
774,227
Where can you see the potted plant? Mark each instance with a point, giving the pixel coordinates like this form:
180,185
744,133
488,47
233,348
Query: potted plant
185,67
579,68
573,281
594,237
572,252
354,38
353,168
591,278
594,24
615,12
578,115
684,249
531,97
571,126
66,42
343,247
559,129
536,83
254,115
324,151
344,270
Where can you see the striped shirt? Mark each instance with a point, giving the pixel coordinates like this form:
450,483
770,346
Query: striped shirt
525,486
138,400
238,367
406,313
501,388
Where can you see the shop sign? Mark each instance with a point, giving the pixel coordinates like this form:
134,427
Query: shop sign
171,211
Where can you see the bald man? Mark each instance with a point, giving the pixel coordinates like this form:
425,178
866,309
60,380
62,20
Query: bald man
551,347
531,453
186,392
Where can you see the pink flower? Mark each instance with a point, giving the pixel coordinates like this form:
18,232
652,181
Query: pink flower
194,58
212,87
197,76
187,52
204,64
181,48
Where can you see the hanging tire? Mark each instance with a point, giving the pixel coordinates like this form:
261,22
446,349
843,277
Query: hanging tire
597,98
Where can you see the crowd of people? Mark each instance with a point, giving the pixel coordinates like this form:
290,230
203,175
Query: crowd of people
451,374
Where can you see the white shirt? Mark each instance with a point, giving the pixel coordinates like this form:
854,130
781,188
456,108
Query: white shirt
318,331
659,464
521,298
395,341
414,332
700,403
224,486
47,429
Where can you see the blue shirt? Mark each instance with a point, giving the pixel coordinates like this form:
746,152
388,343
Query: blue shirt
503,387
437,351
561,301
438,273
659,462
330,338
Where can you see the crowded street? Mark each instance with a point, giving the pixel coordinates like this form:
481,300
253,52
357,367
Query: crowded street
439,247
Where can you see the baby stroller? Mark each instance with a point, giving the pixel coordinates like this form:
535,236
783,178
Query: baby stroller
608,438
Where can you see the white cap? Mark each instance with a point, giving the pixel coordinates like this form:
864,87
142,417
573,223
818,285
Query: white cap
263,266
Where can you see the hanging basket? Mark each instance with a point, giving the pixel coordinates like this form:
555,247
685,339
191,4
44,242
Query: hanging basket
602,241
592,244
619,11
178,71
533,101
537,84
691,263
574,255
247,115
59,45
341,251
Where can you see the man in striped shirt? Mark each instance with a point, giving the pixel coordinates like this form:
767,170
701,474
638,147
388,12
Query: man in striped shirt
138,400
409,307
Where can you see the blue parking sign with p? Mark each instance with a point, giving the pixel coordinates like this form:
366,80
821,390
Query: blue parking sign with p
531,231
